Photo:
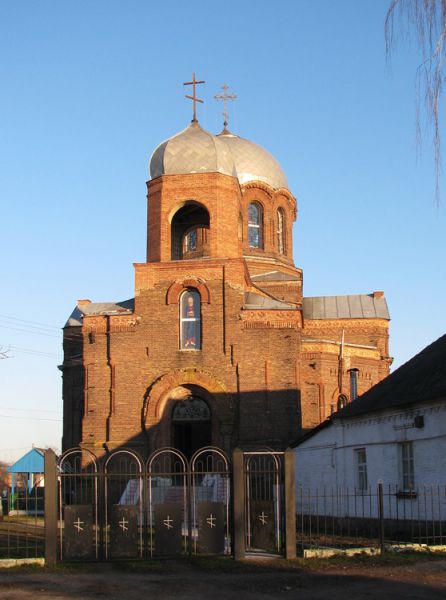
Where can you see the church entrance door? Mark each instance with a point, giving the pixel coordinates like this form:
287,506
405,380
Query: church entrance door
190,437
191,425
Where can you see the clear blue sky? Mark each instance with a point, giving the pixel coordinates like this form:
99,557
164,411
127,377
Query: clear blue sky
89,88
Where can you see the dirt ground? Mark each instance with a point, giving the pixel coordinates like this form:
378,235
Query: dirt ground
223,579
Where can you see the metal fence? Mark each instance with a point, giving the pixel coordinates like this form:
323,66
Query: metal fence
343,518
124,507
22,525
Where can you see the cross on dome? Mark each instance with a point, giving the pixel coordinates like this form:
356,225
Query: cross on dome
225,97
194,98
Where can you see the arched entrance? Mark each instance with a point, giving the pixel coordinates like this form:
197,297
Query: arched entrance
191,425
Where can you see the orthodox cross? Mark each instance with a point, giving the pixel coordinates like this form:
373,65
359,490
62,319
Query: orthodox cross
211,521
168,522
263,518
194,98
225,97
123,524
78,525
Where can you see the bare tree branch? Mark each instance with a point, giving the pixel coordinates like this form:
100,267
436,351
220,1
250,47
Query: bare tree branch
428,18
4,352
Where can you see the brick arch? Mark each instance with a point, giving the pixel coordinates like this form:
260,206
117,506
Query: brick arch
158,394
174,291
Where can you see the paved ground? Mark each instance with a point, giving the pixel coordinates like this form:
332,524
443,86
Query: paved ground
222,579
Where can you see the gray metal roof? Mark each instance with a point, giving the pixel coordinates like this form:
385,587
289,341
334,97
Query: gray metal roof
256,301
99,308
274,276
193,150
361,306
252,162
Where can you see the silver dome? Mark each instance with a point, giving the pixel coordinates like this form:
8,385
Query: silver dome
252,162
193,150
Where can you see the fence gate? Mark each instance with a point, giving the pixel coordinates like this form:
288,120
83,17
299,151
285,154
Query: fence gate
123,505
264,501
119,507
79,535
210,502
169,510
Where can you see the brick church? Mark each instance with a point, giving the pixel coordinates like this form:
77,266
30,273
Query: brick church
218,346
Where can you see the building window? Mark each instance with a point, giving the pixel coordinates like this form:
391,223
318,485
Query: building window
342,401
255,225
407,466
281,231
353,383
190,320
190,241
361,469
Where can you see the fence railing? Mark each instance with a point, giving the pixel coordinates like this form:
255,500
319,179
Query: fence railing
22,524
344,518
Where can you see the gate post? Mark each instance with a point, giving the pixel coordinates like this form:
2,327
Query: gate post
50,507
290,504
238,495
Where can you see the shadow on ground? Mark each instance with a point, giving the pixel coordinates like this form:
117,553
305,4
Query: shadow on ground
221,579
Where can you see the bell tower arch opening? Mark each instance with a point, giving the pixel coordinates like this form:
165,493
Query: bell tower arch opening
190,232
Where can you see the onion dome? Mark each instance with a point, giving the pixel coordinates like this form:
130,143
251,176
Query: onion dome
252,162
193,150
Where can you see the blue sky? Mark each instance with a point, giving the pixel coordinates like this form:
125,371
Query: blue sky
88,90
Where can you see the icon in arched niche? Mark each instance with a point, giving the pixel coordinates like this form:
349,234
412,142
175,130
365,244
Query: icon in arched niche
190,320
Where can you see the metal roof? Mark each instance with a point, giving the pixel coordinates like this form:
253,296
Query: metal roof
274,276
256,301
360,306
31,462
195,150
252,162
99,308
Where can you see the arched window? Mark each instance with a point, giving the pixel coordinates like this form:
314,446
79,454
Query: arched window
342,401
190,320
255,225
281,231
190,241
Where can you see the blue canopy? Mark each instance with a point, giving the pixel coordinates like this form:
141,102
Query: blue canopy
31,462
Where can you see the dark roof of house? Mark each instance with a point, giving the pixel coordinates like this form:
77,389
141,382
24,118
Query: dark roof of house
359,306
421,379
